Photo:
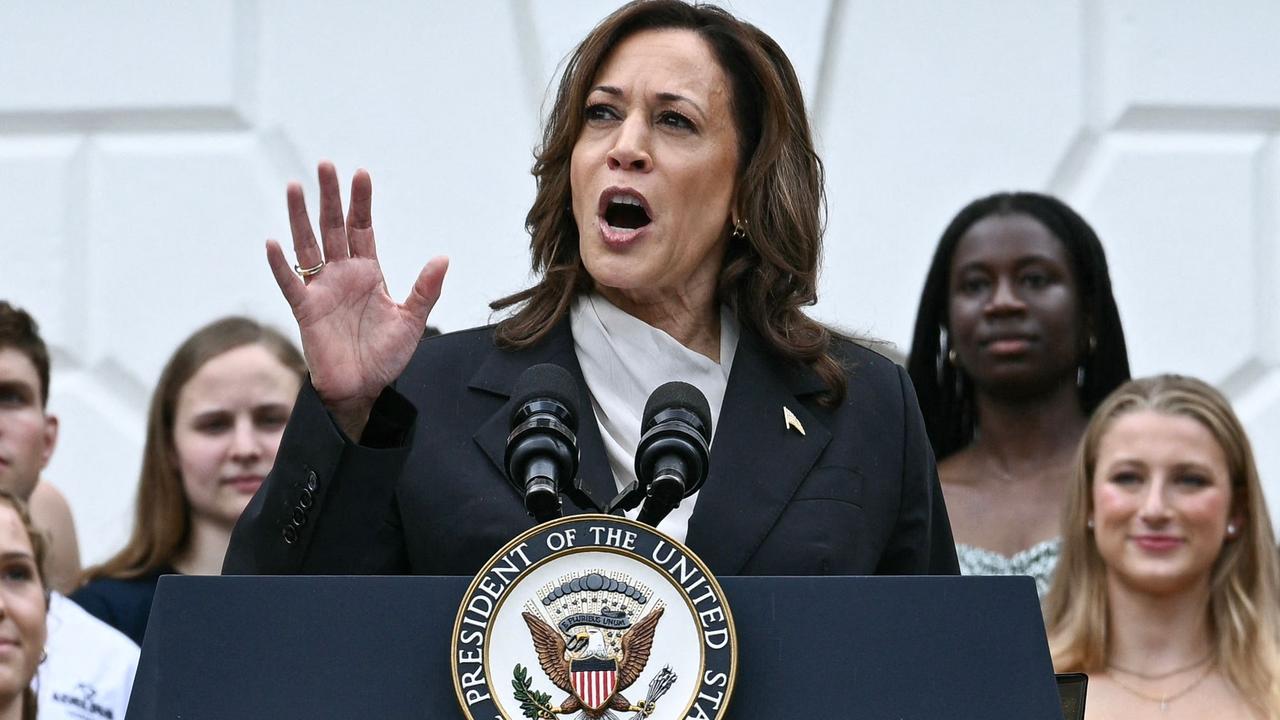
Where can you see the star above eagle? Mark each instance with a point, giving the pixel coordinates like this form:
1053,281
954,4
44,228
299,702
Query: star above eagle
556,654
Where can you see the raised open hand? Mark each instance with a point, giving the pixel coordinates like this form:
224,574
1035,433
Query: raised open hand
356,338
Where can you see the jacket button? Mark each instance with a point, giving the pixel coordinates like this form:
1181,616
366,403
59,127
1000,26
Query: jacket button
290,534
299,517
306,499
313,481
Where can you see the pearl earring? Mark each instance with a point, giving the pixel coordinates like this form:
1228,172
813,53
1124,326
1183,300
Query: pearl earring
1089,523
1231,530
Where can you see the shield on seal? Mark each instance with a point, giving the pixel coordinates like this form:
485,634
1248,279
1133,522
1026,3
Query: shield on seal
594,679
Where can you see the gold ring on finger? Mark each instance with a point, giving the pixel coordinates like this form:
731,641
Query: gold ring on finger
308,272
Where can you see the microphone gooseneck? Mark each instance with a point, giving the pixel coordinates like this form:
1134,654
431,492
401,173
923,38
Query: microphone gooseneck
542,448
673,456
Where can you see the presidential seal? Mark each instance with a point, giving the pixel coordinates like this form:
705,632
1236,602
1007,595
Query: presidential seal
594,617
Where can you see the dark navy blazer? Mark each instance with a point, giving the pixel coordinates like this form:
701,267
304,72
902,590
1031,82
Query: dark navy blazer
856,493
123,604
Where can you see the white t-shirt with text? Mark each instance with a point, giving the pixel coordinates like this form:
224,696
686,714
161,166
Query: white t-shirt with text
89,668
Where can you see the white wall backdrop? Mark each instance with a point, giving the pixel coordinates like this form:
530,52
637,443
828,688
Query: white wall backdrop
145,146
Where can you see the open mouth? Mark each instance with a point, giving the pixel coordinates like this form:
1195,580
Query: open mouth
624,210
626,213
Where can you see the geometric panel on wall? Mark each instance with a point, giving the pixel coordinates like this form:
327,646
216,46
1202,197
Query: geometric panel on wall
60,57
151,195
1176,216
962,114
1176,62
40,181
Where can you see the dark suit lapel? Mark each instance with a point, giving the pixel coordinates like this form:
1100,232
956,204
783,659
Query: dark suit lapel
498,374
757,461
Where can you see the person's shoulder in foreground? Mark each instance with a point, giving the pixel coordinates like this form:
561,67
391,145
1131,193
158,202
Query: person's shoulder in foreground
122,604
875,377
857,352
90,666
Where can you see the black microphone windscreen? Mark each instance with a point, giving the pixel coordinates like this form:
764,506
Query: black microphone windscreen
681,395
547,381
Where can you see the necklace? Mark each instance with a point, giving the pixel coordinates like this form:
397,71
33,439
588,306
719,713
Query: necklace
1163,675
1166,699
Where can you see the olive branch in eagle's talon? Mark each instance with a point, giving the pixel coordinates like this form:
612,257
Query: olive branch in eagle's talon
535,705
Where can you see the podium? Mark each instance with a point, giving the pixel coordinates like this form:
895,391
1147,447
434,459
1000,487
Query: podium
909,648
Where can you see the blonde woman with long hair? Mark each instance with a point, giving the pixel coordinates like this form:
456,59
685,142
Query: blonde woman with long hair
1168,590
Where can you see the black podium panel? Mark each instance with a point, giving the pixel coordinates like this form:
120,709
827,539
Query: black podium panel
898,648
910,648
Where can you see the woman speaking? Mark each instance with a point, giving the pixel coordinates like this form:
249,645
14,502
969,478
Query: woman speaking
676,233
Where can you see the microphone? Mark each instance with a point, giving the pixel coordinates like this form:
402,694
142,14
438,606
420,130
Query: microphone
673,457
542,449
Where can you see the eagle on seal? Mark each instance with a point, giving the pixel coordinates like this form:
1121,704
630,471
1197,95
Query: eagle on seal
558,657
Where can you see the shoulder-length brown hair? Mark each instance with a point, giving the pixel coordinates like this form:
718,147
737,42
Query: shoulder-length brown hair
1244,594
162,517
767,277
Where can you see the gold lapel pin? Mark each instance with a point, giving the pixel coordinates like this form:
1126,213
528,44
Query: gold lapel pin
792,422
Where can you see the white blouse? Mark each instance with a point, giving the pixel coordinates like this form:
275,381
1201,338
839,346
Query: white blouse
623,360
